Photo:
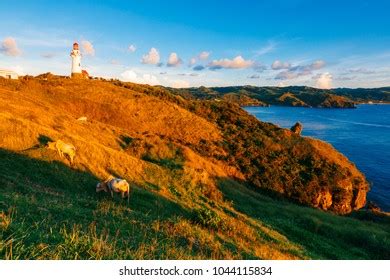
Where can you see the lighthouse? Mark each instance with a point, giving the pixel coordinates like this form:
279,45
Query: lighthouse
76,61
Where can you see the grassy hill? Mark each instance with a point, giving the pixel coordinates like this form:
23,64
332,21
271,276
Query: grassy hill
297,96
207,180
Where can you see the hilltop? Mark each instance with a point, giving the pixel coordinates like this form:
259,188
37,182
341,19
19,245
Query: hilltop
295,96
208,180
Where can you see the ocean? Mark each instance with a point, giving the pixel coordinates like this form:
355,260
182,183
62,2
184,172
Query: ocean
362,134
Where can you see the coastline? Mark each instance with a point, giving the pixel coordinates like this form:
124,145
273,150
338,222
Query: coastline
367,154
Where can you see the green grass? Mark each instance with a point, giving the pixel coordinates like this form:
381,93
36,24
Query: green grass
51,211
323,235
54,212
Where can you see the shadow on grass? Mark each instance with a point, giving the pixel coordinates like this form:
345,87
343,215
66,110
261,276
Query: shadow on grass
44,140
45,199
125,141
170,163
323,235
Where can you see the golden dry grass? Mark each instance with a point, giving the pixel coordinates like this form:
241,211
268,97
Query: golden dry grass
52,111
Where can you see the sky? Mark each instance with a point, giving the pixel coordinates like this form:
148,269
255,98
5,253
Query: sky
324,44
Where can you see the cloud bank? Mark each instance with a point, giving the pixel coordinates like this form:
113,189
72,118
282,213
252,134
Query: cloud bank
278,65
300,70
132,76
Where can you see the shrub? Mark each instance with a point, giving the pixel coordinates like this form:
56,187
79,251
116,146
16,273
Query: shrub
207,218
174,191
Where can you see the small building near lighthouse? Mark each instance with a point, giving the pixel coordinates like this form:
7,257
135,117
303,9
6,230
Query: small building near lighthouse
76,71
8,74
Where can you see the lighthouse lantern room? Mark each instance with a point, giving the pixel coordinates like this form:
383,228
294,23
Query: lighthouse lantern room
76,61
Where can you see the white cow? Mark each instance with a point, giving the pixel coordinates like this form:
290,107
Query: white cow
63,149
112,184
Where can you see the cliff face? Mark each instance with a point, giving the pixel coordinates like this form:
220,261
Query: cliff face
134,128
306,170
349,188
334,101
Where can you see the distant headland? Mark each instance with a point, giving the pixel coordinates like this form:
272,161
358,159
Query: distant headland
294,96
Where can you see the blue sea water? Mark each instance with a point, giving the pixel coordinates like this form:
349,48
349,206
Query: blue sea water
362,134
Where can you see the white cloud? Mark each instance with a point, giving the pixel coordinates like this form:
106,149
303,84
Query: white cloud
192,61
132,48
132,76
201,56
204,55
129,75
18,69
153,57
174,60
277,65
88,48
179,84
323,80
9,47
236,63
281,84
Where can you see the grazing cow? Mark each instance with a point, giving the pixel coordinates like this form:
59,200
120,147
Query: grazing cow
63,149
112,184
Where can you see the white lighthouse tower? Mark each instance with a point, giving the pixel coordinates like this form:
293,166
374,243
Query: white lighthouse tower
76,61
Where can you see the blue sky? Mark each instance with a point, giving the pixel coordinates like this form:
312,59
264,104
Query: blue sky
211,43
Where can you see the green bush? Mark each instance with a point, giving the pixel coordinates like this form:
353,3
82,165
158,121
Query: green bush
208,218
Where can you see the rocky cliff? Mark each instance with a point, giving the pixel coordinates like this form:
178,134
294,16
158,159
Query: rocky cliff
306,170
